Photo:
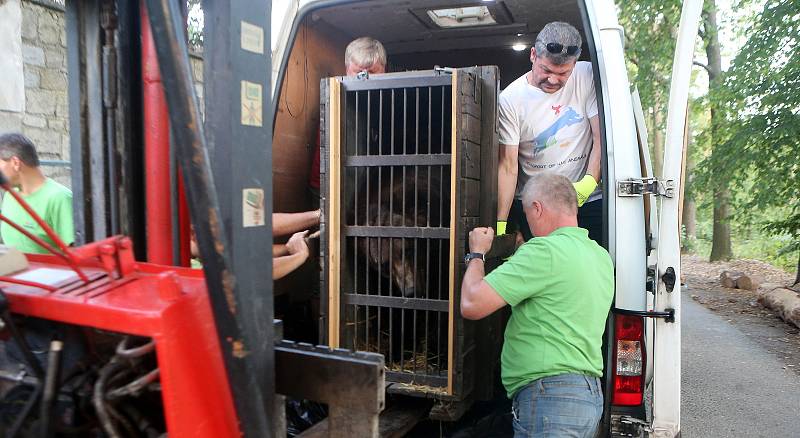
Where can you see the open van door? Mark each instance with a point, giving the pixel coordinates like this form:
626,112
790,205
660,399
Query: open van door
667,366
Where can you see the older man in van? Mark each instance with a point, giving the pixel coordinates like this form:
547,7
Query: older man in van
559,286
549,122
363,54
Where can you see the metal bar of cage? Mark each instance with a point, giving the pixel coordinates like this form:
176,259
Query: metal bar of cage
354,84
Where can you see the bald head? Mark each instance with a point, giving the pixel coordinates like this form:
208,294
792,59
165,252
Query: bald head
550,202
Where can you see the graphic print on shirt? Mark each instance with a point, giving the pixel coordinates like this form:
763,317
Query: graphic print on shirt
548,137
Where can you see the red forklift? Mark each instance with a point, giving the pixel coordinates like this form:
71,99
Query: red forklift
117,336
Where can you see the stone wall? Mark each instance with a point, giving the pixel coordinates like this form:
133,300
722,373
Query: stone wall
45,119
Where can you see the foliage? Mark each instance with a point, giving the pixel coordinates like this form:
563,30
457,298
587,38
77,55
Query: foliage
759,139
756,139
194,25
649,47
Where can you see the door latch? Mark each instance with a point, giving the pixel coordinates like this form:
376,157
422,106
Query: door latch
669,278
646,186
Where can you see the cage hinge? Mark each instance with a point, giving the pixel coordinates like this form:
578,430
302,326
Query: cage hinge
646,186
443,70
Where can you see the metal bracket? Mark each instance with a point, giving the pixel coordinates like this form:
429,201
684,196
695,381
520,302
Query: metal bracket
667,314
646,186
443,70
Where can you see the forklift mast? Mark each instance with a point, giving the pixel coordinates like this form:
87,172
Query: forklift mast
218,348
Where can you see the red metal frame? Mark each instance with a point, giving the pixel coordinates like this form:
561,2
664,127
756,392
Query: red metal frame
168,304
158,220
184,231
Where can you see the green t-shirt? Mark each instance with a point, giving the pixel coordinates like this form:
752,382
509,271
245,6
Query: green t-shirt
560,288
53,202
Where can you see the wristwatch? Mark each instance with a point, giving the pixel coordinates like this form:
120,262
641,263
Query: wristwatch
474,255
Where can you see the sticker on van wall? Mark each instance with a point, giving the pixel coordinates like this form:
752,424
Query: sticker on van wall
252,208
252,38
251,104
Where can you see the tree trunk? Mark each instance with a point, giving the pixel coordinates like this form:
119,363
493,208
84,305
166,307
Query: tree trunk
690,217
797,276
721,240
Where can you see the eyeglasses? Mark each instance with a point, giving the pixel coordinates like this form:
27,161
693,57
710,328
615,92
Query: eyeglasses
558,48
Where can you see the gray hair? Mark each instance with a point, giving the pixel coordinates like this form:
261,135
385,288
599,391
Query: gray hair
364,52
551,189
17,145
560,33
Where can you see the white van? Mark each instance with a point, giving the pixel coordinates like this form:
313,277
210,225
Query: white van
642,377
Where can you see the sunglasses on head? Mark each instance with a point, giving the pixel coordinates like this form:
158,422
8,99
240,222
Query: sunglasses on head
557,48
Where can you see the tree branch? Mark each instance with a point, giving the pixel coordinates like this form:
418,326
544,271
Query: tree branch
708,70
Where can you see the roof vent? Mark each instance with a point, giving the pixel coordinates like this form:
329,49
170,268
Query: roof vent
462,17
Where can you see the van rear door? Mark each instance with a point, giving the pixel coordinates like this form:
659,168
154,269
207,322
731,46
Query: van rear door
667,347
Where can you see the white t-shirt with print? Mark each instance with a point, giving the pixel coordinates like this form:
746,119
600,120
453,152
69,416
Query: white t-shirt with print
552,130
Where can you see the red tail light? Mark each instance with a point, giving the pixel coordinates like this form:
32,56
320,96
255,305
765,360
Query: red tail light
629,360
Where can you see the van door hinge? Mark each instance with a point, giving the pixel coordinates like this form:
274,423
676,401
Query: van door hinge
646,186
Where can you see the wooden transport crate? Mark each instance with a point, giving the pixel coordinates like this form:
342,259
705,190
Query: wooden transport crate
409,167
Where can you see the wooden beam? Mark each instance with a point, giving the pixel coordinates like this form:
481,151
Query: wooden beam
453,222
334,217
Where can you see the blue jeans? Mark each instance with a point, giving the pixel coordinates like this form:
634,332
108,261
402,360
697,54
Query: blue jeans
567,405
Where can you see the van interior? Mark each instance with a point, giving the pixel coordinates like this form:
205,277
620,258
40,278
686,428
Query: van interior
417,35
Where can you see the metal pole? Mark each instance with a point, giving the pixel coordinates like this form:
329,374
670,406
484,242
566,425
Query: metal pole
158,221
241,343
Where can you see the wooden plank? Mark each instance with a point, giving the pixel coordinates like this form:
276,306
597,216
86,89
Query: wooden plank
471,165
453,200
489,145
334,199
470,195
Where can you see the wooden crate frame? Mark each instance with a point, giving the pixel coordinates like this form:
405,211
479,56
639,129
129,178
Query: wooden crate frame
472,361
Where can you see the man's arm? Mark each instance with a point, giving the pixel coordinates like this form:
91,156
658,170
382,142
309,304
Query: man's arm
586,186
282,266
297,250
478,298
287,223
506,179
595,157
279,250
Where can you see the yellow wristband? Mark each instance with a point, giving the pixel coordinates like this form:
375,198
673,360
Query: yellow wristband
584,188
501,227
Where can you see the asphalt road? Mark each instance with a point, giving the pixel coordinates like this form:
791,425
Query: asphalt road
731,385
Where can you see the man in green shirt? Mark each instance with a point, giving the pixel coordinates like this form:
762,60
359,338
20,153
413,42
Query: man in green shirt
19,163
560,285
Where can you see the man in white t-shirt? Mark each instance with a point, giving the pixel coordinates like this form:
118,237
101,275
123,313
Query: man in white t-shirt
549,122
